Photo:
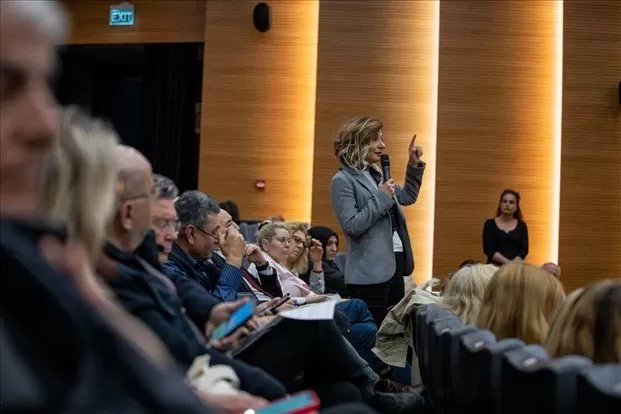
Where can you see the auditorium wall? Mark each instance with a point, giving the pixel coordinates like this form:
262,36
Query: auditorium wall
258,111
156,21
590,220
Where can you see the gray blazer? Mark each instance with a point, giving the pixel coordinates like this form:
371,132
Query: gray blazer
362,211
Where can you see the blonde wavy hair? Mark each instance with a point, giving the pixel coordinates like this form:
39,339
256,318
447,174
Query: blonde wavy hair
266,232
300,264
464,292
589,324
519,302
353,140
79,179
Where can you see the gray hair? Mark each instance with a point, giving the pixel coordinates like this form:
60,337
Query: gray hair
193,208
48,16
165,187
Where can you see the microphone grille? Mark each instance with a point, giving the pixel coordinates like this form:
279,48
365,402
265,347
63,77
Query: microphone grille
385,159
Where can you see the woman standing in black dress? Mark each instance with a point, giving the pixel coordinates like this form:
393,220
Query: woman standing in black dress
505,237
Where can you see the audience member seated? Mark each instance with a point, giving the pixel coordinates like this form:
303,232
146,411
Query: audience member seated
262,287
519,302
275,241
464,292
589,324
200,236
333,276
231,207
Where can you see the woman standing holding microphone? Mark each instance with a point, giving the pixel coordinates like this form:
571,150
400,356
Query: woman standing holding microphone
369,210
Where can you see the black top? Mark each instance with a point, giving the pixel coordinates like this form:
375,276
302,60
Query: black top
510,244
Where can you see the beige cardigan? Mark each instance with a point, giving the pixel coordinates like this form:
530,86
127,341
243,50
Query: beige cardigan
395,334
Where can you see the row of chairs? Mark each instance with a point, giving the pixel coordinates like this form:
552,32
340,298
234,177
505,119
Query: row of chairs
465,370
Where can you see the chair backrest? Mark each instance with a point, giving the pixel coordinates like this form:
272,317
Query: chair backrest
249,231
519,390
492,358
448,340
341,261
599,389
440,359
468,368
424,319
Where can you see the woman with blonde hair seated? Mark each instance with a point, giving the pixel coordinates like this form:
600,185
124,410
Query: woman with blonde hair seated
589,324
275,240
464,292
519,302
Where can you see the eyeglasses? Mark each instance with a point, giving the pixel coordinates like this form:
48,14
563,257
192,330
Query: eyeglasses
215,236
299,241
166,224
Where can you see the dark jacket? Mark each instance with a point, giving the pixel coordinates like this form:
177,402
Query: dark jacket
152,301
152,298
59,354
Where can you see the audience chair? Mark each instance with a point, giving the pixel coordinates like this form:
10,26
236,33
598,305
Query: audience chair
599,390
249,231
469,369
440,359
492,357
423,334
341,260
448,340
519,385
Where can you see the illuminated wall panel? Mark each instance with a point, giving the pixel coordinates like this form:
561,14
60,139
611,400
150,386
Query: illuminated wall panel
379,58
590,225
499,114
258,107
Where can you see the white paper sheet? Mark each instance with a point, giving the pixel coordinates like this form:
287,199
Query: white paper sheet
313,312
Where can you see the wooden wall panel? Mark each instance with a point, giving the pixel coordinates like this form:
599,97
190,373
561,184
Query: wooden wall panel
590,226
379,58
498,123
157,21
259,106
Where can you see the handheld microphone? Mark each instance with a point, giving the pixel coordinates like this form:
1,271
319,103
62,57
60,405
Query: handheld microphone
385,161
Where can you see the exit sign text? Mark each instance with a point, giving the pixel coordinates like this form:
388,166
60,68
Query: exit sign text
122,15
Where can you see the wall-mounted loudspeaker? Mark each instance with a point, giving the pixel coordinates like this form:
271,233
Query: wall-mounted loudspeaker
262,17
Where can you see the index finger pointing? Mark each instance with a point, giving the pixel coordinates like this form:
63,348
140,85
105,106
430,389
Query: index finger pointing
413,141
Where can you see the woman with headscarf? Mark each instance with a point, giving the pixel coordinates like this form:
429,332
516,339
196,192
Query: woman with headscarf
333,275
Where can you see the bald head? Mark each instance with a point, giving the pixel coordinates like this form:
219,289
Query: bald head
134,192
135,175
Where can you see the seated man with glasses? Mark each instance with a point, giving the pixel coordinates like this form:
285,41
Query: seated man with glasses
199,236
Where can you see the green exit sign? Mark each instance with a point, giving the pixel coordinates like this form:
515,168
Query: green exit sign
122,15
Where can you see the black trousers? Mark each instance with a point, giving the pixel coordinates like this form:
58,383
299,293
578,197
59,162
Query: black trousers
315,349
379,297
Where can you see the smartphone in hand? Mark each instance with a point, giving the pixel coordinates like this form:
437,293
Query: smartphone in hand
305,402
238,318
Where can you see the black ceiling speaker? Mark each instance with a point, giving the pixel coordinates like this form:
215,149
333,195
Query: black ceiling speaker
262,17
